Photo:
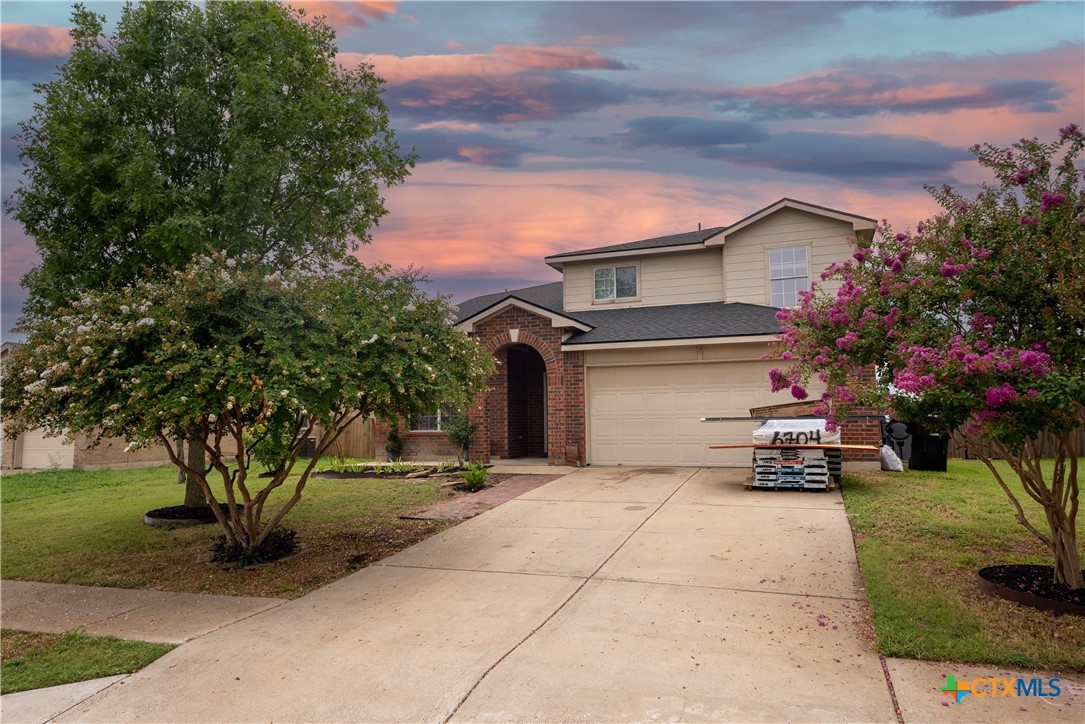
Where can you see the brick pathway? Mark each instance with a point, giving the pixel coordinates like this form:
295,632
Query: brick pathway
468,506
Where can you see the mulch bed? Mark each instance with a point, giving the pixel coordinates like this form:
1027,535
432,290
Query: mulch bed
181,514
1033,586
350,474
368,475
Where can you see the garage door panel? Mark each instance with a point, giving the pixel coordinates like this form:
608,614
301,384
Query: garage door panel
690,453
607,427
660,402
651,414
44,452
606,402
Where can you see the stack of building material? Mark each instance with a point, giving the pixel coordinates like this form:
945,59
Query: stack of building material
794,468
796,453
835,457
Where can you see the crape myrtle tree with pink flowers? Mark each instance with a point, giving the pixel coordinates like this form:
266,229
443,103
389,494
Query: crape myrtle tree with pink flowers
975,325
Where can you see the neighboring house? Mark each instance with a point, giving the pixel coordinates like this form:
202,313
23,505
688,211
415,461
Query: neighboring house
32,450
618,363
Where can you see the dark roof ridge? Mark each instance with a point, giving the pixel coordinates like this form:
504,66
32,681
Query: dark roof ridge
656,242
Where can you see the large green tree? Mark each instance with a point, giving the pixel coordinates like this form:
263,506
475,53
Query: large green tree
975,322
252,361
226,128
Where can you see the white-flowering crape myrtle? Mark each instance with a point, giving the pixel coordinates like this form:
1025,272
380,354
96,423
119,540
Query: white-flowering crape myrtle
252,362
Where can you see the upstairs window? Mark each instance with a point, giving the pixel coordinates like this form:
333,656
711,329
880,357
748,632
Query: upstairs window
615,282
788,275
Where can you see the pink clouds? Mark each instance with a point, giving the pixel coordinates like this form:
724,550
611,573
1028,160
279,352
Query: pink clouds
965,126
502,61
356,14
35,41
929,83
535,57
510,84
459,220
840,92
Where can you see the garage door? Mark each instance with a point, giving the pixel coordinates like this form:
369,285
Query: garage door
651,414
46,452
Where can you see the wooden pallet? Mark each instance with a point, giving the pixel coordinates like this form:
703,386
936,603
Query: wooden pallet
752,446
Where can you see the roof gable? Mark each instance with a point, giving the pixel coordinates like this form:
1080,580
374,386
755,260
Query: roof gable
557,319
548,296
858,223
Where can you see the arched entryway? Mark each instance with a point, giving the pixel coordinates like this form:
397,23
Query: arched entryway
526,402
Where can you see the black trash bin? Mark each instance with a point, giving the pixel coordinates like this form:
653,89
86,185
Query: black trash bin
930,449
897,437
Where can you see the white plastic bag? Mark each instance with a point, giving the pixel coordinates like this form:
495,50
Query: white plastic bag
890,461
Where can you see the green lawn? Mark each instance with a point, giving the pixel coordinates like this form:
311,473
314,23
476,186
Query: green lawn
87,528
921,537
34,661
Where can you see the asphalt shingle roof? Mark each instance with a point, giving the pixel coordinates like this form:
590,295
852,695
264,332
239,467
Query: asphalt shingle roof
547,296
676,321
689,237
642,324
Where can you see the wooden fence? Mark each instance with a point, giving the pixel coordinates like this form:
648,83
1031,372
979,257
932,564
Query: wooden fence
1047,448
357,441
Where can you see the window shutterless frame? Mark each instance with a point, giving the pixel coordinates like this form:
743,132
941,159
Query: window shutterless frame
614,283
788,274
432,422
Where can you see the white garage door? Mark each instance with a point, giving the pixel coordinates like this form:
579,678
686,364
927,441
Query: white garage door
651,414
46,452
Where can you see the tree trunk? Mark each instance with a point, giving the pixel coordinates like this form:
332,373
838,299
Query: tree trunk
1064,543
194,497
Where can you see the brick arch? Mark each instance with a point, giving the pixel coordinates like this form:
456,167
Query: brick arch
564,386
537,343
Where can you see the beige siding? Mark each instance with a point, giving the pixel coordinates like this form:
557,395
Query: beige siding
745,260
680,278
684,354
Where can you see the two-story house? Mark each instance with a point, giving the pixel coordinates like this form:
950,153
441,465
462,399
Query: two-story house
618,363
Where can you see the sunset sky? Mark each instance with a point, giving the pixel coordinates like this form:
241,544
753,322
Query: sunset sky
550,126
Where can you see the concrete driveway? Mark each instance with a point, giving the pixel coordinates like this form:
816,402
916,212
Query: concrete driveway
607,595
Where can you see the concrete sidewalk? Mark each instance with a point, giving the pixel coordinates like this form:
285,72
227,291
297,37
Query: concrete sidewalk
607,595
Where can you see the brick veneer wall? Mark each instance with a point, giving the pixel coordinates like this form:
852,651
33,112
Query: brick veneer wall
108,455
493,417
564,387
421,445
864,431
111,454
7,450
